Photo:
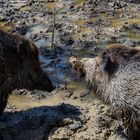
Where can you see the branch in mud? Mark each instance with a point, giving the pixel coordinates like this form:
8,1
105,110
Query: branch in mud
53,31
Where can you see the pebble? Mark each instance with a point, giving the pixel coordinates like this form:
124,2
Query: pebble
75,126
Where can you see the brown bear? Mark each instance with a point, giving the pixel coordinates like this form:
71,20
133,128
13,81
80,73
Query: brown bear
114,75
19,67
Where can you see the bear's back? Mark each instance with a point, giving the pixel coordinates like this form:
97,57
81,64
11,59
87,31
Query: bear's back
125,84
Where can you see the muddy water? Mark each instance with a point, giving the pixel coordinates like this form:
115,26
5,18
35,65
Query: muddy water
22,102
36,29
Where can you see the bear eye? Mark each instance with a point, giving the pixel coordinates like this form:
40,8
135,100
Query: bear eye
117,51
104,54
74,62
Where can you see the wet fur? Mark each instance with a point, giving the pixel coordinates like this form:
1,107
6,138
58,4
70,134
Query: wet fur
115,76
19,66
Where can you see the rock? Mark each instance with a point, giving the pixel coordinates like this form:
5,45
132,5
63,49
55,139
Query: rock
67,121
34,95
75,126
129,42
134,27
68,94
126,41
74,97
85,93
37,95
82,129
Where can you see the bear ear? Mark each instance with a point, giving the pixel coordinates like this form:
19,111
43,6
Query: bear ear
27,49
107,64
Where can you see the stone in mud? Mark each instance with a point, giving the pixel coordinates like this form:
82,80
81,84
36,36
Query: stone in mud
75,126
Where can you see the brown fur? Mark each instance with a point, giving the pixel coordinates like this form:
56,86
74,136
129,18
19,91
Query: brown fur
115,76
19,67
78,66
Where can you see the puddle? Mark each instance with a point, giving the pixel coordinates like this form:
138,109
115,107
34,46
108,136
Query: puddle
60,67
77,85
37,29
34,29
22,103
42,42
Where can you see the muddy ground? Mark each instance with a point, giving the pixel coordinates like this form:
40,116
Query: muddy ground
82,28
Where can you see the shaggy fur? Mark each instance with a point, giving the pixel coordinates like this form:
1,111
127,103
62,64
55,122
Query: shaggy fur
19,67
115,76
